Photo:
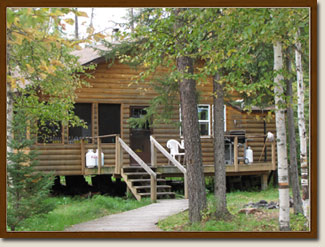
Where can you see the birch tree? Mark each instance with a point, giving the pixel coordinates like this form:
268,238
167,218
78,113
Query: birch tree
302,126
284,217
293,166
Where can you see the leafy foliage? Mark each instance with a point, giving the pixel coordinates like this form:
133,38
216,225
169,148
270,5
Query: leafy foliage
42,79
41,66
26,189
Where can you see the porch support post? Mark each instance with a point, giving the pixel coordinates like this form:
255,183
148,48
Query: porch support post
153,154
118,156
264,181
273,156
83,161
99,158
185,186
236,153
153,188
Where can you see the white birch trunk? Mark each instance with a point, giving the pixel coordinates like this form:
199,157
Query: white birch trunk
302,128
284,219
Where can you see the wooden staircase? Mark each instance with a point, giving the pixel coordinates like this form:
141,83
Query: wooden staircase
138,182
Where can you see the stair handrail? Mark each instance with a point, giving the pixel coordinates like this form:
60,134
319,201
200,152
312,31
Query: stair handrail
155,143
153,175
167,154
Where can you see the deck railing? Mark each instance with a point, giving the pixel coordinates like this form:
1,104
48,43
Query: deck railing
99,148
120,145
156,145
236,163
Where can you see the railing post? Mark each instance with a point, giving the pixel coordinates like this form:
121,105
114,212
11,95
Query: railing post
273,156
153,154
118,156
236,153
83,161
185,186
153,188
99,158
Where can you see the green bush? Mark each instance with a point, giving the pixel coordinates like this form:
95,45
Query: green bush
27,189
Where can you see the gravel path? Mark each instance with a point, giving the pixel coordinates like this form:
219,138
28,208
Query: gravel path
140,219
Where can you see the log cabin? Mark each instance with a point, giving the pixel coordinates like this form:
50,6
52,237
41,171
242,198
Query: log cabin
140,156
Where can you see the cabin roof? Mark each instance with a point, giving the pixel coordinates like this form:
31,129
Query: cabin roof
89,54
253,108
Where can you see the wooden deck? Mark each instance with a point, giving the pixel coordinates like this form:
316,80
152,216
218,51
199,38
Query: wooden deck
148,180
68,159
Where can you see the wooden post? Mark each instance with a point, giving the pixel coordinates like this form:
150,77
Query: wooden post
185,187
153,154
99,158
83,160
118,155
264,181
273,156
153,188
236,154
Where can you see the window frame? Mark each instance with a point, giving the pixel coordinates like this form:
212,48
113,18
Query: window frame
199,121
224,118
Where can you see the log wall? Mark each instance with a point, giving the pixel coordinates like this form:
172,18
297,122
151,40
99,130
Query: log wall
114,86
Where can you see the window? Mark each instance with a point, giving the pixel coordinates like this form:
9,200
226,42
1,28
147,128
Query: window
224,118
83,111
49,133
204,120
139,112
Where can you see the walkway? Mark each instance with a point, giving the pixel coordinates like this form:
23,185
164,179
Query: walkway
140,219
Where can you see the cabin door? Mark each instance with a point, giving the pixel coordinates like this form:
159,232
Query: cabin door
140,136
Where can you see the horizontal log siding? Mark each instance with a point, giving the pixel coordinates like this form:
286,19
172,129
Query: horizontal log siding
66,159
115,85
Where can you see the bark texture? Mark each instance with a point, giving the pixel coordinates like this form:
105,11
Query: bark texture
190,127
293,167
302,128
193,153
219,150
284,220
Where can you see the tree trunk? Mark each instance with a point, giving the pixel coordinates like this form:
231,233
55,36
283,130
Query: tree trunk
293,167
132,20
284,220
219,150
190,127
192,141
91,17
302,128
76,26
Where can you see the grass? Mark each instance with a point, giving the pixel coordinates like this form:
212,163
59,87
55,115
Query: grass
74,210
266,220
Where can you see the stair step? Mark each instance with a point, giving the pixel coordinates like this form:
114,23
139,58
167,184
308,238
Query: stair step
161,194
158,193
145,181
138,174
148,187
136,168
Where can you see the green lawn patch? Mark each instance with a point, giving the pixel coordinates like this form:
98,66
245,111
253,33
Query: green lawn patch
265,220
74,210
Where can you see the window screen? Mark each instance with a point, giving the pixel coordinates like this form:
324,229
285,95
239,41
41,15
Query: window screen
49,133
83,111
109,116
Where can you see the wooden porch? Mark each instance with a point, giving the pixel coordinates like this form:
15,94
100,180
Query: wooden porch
70,159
